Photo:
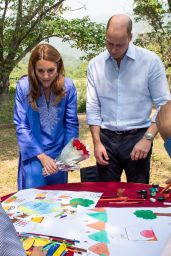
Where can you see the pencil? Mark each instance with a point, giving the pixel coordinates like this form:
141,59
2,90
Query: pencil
123,200
72,250
133,202
59,239
76,248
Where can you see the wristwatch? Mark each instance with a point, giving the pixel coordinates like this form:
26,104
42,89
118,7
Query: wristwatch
149,136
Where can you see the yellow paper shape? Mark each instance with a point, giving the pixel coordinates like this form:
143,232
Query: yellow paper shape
37,219
60,250
6,207
41,241
28,243
40,196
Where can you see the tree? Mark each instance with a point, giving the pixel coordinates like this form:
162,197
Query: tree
157,13
25,23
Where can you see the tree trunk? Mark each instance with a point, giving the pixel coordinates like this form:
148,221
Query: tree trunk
4,88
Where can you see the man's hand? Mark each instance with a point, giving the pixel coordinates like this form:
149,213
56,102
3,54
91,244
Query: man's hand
163,120
47,162
141,149
101,154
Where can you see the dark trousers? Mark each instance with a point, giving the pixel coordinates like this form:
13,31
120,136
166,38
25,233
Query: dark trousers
119,147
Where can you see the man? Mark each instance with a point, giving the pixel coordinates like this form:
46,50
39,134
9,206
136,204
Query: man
10,244
164,125
123,83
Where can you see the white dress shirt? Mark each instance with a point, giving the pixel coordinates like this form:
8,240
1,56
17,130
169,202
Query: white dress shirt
121,98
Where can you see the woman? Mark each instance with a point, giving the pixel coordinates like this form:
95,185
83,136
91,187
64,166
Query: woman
45,116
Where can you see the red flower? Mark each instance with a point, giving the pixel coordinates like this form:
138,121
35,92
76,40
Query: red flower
80,146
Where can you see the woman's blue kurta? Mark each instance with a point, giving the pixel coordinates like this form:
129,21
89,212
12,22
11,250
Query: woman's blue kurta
46,130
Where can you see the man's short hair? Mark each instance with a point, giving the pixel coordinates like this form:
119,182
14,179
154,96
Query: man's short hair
129,25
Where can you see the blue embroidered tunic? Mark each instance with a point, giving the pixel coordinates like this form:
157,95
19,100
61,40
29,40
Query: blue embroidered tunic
47,131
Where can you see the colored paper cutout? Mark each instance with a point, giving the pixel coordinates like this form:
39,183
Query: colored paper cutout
28,243
81,201
37,219
145,214
102,216
149,234
64,196
99,225
100,237
98,209
6,207
10,200
100,249
39,207
41,241
41,196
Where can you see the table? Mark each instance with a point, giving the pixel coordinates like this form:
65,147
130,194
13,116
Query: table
109,189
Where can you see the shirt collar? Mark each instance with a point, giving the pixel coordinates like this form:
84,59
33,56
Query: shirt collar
130,52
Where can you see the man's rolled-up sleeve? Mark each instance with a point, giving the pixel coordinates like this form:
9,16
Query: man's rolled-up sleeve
93,108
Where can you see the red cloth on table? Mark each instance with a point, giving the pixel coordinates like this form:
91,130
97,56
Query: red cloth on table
110,189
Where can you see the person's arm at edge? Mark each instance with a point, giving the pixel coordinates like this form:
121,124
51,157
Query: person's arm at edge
163,121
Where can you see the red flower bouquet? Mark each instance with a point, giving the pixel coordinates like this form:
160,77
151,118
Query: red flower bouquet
73,153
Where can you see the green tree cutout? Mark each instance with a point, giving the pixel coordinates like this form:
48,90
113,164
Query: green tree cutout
24,24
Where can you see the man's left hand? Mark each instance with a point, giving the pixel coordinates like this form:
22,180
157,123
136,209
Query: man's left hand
141,149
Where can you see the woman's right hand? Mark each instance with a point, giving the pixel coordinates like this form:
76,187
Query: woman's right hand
37,251
48,163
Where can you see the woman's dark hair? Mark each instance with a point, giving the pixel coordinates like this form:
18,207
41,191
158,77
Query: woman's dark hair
49,53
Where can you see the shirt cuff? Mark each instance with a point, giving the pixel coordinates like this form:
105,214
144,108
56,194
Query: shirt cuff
167,146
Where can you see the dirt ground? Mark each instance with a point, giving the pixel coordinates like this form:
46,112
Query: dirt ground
160,164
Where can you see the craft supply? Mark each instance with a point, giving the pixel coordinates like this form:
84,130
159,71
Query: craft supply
153,200
167,203
160,199
153,192
156,186
127,202
143,193
60,250
123,200
58,239
120,192
166,194
113,197
76,249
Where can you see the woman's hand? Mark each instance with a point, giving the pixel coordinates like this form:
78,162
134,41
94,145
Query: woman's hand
38,252
48,163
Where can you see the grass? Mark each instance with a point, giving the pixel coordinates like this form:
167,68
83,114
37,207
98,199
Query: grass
160,164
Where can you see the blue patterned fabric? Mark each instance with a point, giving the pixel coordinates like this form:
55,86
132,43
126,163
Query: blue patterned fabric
10,244
167,146
47,131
